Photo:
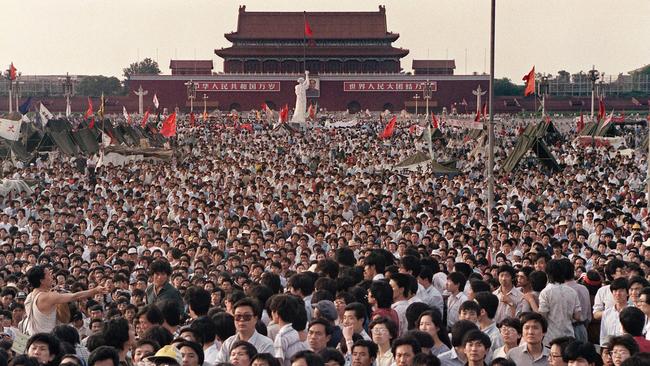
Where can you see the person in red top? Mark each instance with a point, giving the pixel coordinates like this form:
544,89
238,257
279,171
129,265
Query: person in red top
380,296
633,320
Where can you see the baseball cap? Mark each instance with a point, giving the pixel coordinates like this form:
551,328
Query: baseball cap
132,251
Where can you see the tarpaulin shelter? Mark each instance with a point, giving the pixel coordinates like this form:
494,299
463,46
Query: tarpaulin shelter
531,140
423,160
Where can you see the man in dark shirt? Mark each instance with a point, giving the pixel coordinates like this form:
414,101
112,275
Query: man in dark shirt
161,289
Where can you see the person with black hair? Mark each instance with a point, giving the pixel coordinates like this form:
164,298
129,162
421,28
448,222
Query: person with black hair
69,334
142,349
604,299
380,297
354,318
265,359
242,353
428,293
332,357
431,322
488,304
45,347
579,327
198,301
287,342
633,321
510,330
558,303
104,356
42,301
557,347
373,266
610,324
161,289
246,315
301,285
306,358
469,310
456,355
401,284
171,315
404,350
476,345
207,329
363,353
532,351
148,317
511,300
191,352
455,284
622,348
118,334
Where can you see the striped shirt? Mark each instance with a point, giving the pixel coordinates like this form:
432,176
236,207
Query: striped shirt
287,343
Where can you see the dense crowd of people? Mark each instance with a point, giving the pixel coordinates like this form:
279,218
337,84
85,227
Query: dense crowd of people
306,247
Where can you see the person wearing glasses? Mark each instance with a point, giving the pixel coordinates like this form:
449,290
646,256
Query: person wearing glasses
246,313
510,330
383,331
622,348
558,345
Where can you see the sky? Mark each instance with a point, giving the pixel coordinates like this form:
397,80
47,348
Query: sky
101,37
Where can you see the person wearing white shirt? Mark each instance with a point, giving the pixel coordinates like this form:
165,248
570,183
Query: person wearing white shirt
400,283
246,316
455,281
604,299
610,324
427,292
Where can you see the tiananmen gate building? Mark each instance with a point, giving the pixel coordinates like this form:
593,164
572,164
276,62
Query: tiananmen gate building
351,58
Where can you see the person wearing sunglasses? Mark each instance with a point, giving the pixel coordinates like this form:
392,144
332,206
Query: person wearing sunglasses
246,313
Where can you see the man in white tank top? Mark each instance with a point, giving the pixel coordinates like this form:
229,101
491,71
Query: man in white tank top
40,305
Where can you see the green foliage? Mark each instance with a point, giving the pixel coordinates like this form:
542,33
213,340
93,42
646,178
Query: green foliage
96,85
645,70
146,66
504,87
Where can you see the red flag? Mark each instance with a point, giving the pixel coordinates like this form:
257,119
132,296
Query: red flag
485,111
478,114
581,122
312,112
601,109
145,119
247,126
12,72
309,34
169,126
530,82
205,116
434,120
91,125
89,111
192,119
390,128
284,114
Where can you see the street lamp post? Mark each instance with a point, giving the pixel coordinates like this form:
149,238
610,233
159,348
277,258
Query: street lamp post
18,91
205,104
543,91
67,91
593,77
426,88
416,97
191,93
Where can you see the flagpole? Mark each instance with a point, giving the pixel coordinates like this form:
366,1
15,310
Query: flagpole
304,42
491,121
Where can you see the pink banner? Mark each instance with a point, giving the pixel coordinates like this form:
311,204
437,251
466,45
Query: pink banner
385,86
238,86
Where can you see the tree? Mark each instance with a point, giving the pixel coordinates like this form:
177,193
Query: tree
564,76
645,70
146,66
504,86
96,85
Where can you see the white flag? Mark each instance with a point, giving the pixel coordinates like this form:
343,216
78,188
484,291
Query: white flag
126,115
10,129
45,114
155,101
68,110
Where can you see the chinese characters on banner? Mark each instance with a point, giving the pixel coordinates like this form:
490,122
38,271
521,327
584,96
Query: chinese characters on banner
238,86
381,86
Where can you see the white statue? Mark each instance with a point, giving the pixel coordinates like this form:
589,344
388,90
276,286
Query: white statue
301,99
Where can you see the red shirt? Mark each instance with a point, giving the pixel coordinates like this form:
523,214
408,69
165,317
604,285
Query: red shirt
644,344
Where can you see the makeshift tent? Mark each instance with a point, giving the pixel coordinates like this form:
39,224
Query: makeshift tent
423,160
531,139
599,129
15,186
86,141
